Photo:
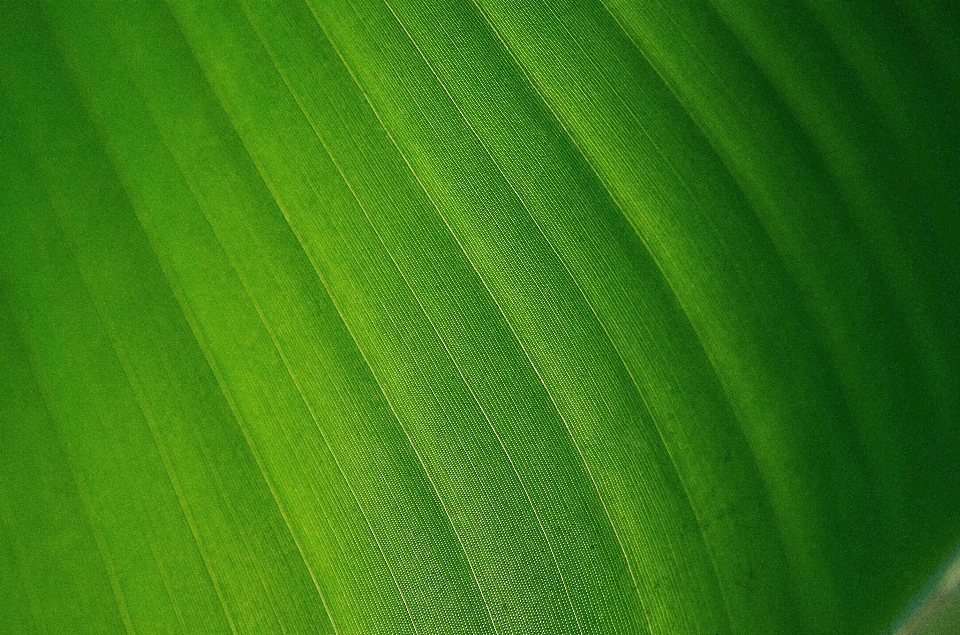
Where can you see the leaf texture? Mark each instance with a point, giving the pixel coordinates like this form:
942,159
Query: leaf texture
475,316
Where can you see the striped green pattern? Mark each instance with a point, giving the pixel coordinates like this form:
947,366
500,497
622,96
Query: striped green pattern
430,317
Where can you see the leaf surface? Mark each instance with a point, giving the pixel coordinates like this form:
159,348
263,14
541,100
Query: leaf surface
477,316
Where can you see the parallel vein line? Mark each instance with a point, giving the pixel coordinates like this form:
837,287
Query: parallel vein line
350,331
88,507
506,319
214,367
583,294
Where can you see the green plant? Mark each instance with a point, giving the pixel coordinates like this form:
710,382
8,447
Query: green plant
477,316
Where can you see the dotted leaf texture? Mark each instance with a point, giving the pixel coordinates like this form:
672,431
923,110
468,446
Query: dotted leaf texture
427,317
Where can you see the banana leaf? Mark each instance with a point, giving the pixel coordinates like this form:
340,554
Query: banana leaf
478,316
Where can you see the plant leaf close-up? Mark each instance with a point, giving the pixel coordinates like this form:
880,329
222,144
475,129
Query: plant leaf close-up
479,316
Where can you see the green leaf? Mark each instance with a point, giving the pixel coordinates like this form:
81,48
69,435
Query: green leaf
477,316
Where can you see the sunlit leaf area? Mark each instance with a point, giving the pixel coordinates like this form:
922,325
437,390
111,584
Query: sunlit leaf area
436,317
